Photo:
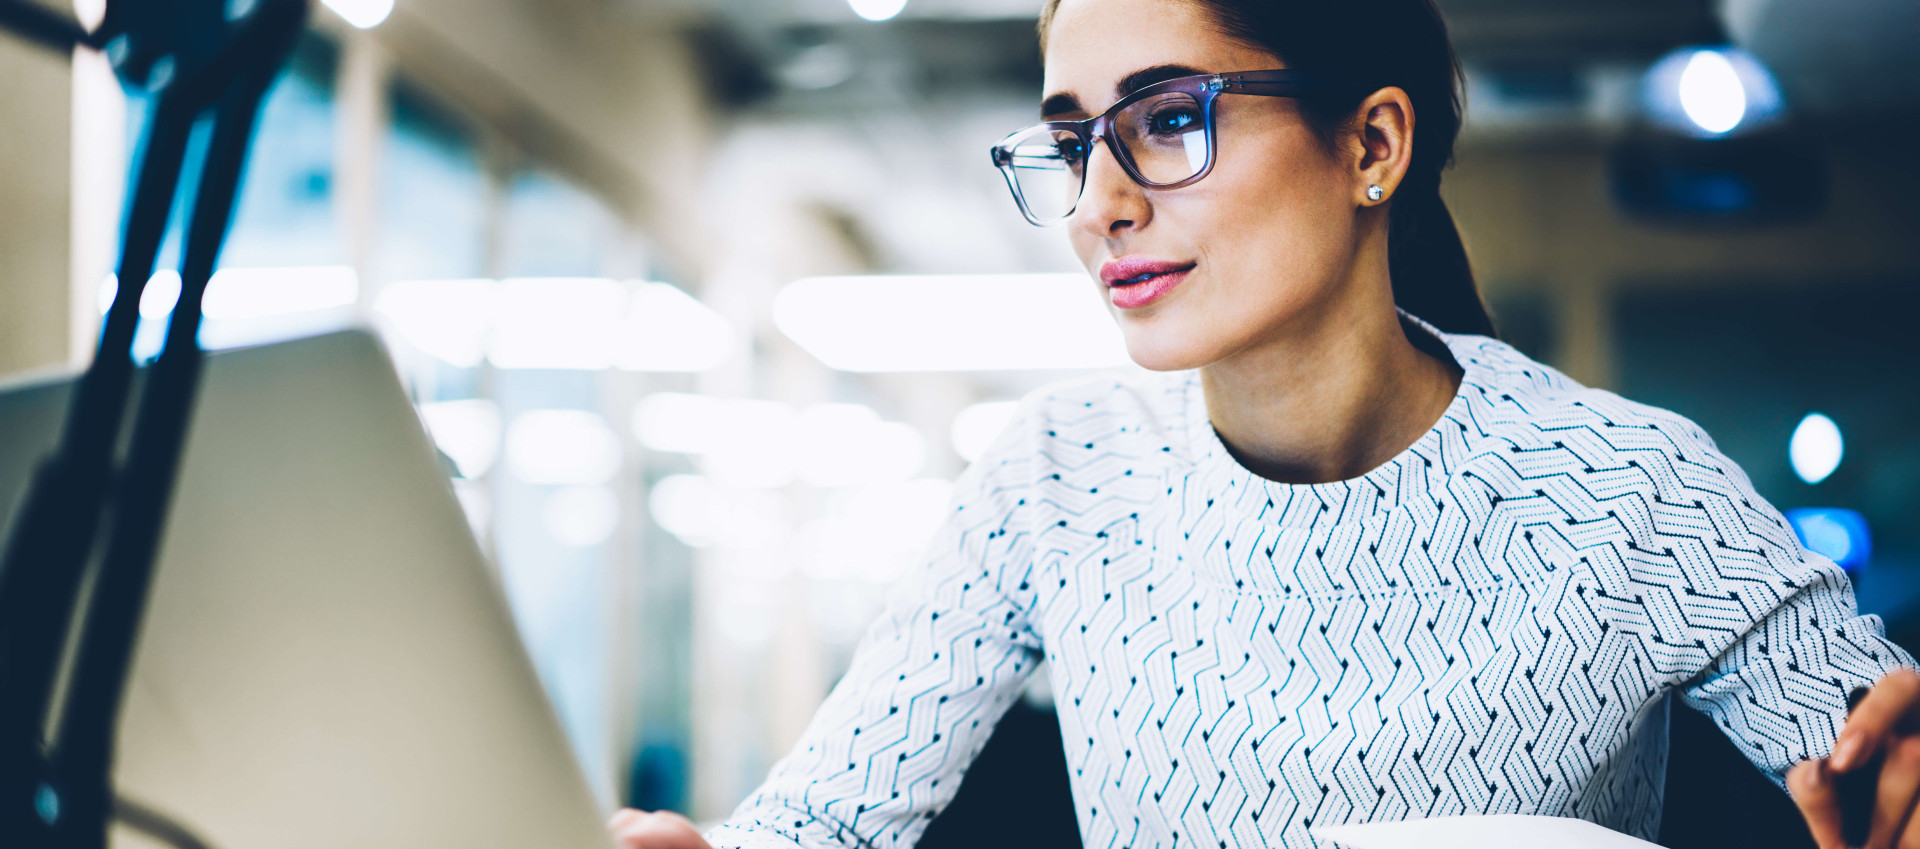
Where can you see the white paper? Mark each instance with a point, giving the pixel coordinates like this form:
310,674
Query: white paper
1500,831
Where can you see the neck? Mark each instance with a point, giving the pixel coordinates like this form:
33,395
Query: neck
1333,395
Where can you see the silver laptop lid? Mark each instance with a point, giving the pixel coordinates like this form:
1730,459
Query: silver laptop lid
326,660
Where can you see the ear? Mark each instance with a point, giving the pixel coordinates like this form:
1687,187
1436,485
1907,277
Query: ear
1386,144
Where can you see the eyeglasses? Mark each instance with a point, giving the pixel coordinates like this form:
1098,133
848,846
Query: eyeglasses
1162,136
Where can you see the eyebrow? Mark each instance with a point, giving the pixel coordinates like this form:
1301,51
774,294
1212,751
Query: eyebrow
1064,102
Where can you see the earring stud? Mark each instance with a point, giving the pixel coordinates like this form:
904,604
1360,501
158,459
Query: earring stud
1375,193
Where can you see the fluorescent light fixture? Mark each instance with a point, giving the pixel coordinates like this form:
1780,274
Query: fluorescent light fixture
1816,448
702,513
687,506
162,292
873,533
877,10
444,319
242,293
468,432
582,516
156,300
563,447
668,330
363,14
950,323
677,422
754,445
976,427
556,323
1711,92
849,445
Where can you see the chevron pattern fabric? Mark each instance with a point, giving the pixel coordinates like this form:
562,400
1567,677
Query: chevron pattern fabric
1492,622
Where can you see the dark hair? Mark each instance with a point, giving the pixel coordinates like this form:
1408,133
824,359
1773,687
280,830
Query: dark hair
1390,43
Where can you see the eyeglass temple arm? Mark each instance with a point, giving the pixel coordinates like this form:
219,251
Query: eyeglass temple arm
1283,83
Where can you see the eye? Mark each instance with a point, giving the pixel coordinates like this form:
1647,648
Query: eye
1172,120
1071,150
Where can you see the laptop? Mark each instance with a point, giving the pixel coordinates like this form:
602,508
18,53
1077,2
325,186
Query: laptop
326,661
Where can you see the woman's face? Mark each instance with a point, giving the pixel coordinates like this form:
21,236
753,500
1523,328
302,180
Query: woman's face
1260,245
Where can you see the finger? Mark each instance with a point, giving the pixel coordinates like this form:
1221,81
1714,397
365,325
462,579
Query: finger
1910,835
1875,718
1893,799
1811,785
621,817
659,830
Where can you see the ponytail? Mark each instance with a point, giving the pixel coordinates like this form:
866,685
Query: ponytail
1432,278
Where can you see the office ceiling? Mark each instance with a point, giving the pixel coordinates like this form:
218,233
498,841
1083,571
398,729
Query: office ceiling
1829,54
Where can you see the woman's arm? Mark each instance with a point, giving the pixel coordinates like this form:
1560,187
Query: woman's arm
1780,689
886,751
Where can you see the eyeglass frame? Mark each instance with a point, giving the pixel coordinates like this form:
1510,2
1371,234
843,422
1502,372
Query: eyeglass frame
1205,88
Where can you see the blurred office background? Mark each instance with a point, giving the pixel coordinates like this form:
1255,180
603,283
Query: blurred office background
676,286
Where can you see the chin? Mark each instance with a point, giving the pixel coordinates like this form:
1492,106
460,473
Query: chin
1166,352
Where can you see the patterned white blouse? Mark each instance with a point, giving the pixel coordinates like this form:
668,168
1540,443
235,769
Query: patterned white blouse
1491,622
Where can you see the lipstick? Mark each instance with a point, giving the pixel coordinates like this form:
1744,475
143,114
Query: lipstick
1135,282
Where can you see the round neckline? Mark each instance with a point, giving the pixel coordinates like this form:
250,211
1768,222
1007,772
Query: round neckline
1413,472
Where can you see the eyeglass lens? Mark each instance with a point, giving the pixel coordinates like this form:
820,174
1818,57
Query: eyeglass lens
1166,137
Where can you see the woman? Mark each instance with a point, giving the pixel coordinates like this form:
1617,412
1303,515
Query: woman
1347,557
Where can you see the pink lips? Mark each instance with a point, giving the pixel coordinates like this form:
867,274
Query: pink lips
1137,281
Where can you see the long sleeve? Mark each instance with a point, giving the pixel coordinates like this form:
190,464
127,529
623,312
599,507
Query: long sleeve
886,751
1790,641
1780,691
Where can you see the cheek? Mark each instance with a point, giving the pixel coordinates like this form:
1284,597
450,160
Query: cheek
1274,187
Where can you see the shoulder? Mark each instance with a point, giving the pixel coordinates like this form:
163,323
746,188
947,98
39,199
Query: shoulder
1516,402
1614,470
1074,428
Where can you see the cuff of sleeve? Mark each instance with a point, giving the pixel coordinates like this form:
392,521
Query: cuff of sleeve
736,837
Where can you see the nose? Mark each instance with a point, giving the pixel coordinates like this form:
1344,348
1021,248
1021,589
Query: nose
1110,202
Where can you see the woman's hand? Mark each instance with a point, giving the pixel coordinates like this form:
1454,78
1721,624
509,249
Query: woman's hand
1886,722
654,830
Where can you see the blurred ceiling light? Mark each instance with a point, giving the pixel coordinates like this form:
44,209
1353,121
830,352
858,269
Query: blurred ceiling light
754,445
556,323
582,516
676,421
562,447
1816,448
162,292
876,531
363,14
156,301
240,293
702,513
687,506
668,330
468,432
849,445
975,428
444,319
1711,92
90,12
950,323
1836,534
877,10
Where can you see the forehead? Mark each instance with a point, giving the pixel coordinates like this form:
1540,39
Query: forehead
1093,44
